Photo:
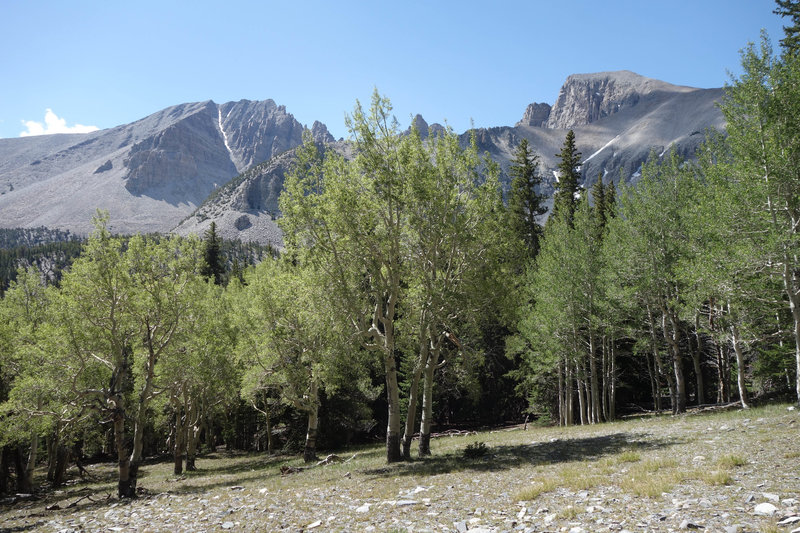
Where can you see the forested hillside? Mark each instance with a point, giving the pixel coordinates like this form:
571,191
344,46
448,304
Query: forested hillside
410,297
49,250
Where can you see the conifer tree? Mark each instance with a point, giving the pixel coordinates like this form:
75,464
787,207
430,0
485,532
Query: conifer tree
610,199
213,266
564,199
524,202
599,197
791,9
604,197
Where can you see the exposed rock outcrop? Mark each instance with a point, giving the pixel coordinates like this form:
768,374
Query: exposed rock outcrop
183,162
105,167
247,206
257,131
536,115
320,133
425,130
586,98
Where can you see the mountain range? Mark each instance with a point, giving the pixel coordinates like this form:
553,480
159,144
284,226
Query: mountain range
185,166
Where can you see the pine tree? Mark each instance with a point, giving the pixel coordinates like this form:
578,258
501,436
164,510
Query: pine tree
604,197
524,202
611,200
599,197
791,9
567,188
213,266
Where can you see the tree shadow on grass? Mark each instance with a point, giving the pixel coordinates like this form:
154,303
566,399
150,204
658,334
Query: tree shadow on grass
504,457
259,461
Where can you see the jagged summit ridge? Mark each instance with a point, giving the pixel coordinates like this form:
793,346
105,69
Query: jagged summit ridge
255,131
230,159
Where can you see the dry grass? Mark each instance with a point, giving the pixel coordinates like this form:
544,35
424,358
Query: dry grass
629,456
731,461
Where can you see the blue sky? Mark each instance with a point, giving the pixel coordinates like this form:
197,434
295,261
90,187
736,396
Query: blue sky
106,63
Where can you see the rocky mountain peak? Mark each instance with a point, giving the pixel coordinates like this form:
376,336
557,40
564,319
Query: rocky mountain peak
585,98
421,125
535,115
425,130
320,133
257,131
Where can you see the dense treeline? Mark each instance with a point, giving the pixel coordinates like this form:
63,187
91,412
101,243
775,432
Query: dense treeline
15,237
50,250
409,295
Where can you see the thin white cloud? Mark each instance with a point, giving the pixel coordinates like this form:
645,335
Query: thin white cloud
53,124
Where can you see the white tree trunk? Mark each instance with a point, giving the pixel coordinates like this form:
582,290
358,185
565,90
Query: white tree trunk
413,397
310,451
737,347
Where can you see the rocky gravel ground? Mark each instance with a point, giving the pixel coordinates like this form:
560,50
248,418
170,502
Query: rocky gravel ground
735,471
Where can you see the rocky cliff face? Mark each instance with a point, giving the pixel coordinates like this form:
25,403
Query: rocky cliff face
619,119
586,98
536,115
185,159
320,133
246,208
257,131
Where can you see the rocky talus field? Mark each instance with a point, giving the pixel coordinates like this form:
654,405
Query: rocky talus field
731,471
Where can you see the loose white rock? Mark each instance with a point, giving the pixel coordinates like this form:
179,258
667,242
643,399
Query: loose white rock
765,509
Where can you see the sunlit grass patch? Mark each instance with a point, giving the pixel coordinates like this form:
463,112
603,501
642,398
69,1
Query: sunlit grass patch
652,477
575,477
731,461
722,474
717,477
580,477
629,456
538,488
